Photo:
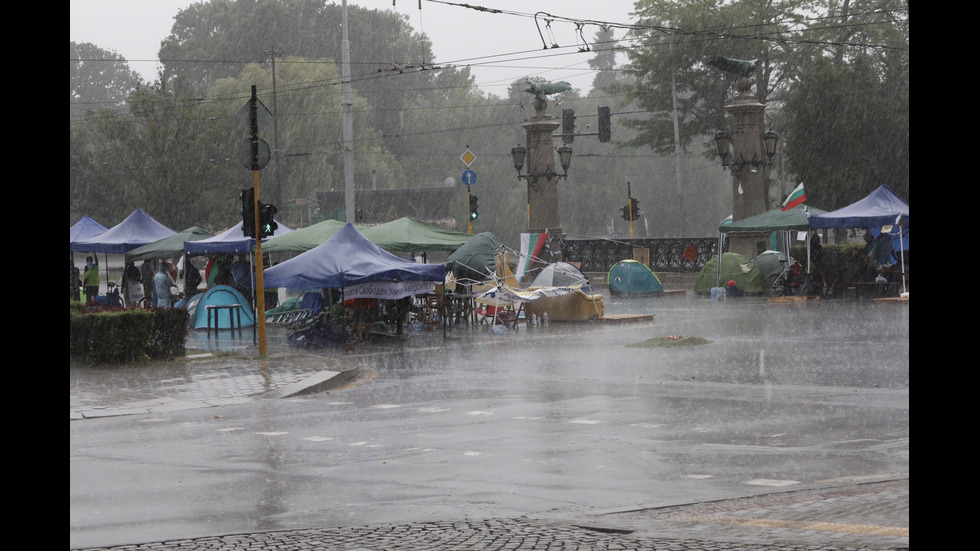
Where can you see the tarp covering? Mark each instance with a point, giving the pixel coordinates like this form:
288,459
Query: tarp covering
734,266
770,263
168,247
348,258
410,235
776,219
138,229
219,295
559,274
880,208
474,260
232,241
85,228
633,278
501,295
303,239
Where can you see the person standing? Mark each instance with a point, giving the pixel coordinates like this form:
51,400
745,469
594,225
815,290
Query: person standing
146,275
91,279
161,286
132,283
74,288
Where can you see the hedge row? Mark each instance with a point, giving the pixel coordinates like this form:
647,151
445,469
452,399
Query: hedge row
126,336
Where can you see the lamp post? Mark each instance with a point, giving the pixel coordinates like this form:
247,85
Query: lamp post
542,179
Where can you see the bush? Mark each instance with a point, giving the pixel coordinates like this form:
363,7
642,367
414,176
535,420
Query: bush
126,336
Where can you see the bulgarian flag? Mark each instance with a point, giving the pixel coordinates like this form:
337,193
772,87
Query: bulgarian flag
531,245
796,198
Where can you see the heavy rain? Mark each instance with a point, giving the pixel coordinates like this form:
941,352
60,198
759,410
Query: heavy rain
783,383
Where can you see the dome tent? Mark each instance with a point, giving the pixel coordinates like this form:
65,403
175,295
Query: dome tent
633,278
734,266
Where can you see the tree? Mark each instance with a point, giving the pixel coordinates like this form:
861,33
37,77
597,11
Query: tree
604,62
217,39
675,38
846,118
97,78
309,128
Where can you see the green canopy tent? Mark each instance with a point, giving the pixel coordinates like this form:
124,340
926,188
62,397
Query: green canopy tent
168,247
408,235
303,239
796,218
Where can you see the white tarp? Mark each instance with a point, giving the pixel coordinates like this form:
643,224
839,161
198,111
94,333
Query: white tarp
505,296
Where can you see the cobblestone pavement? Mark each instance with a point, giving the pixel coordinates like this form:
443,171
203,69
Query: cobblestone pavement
785,521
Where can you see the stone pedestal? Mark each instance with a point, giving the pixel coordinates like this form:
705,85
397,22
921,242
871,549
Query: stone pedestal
542,183
748,182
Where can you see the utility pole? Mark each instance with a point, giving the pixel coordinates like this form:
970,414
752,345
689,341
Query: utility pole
348,116
277,188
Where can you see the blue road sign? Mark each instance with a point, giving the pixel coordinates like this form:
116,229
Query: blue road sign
469,177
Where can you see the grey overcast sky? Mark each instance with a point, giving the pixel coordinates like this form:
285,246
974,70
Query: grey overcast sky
500,47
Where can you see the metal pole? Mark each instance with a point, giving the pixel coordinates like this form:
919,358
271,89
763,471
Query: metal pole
259,279
348,131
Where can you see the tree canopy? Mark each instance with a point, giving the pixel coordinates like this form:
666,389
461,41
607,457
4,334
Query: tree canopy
834,75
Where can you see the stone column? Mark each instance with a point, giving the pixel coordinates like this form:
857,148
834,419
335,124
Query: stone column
542,183
748,184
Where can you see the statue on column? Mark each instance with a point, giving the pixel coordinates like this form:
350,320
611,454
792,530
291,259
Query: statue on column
744,68
542,90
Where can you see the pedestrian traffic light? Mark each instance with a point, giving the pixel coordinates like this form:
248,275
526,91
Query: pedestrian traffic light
625,212
248,212
605,124
474,211
634,208
568,125
267,221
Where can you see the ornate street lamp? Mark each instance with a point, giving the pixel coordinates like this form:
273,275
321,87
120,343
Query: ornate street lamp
519,153
723,141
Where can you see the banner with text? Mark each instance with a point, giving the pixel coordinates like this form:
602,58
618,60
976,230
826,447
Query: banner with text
389,290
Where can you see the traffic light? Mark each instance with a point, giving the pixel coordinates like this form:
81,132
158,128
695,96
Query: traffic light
605,124
634,208
568,125
474,211
267,221
625,212
248,212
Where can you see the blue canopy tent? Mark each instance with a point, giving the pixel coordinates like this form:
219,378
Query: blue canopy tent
83,229
349,259
232,241
880,208
138,229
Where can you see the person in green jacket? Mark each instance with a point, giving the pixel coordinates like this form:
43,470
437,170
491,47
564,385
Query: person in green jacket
91,280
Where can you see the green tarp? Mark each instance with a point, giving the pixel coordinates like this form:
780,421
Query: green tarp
303,239
772,220
168,247
408,235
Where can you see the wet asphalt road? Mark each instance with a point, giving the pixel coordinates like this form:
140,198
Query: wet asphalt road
566,425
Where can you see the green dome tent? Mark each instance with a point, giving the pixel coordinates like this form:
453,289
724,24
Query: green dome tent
633,278
734,266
